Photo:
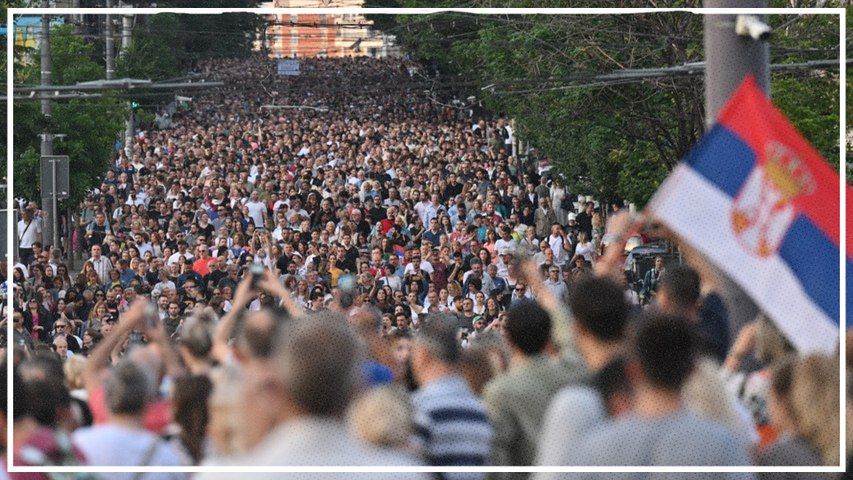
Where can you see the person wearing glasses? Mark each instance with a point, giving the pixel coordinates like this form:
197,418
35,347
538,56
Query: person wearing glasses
62,328
520,293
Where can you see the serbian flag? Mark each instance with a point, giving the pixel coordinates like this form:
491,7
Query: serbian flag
762,204
210,209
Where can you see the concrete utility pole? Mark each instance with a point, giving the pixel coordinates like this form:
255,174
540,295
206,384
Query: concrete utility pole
126,24
77,18
51,227
729,58
108,43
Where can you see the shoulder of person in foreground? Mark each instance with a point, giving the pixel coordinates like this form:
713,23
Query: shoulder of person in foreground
709,442
574,411
383,459
790,451
682,439
316,475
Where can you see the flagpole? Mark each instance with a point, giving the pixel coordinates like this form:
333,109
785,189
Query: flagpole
729,58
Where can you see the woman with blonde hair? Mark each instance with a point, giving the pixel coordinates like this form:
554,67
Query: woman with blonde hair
225,425
792,447
96,314
814,400
383,417
73,370
705,393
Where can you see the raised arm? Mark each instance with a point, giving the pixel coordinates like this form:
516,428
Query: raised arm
225,328
271,284
98,360
171,358
620,226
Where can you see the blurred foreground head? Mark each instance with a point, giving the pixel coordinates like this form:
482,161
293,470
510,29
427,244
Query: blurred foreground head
664,348
312,369
317,360
128,389
436,351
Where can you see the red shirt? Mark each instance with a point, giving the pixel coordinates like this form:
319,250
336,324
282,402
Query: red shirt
158,414
44,449
386,225
202,266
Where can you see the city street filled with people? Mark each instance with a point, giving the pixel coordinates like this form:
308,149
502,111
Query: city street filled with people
345,268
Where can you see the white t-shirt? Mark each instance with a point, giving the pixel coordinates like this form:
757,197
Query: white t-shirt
114,445
425,266
556,244
176,257
585,249
29,234
502,244
256,211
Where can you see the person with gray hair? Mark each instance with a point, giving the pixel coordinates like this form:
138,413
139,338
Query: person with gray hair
451,422
195,340
128,391
305,388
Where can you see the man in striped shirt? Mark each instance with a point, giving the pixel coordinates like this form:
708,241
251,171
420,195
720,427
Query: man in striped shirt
451,422
102,265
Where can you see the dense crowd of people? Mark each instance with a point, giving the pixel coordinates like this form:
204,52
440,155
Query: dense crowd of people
338,268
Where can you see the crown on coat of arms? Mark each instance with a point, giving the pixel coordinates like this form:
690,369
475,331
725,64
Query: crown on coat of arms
787,172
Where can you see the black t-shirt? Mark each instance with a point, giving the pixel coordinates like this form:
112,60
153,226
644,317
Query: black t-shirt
349,260
584,221
376,214
282,263
206,231
363,227
215,276
466,322
99,232
452,190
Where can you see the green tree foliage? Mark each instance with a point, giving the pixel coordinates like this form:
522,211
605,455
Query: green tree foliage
4,6
226,35
193,37
91,125
611,139
152,53
163,46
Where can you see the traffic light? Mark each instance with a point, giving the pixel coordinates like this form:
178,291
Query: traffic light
134,105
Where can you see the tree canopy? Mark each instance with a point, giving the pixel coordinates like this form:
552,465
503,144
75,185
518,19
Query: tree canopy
163,46
615,138
90,124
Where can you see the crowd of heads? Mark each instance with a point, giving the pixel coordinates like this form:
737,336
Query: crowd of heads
347,245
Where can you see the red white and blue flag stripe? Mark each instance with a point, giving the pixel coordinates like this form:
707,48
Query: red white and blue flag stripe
762,204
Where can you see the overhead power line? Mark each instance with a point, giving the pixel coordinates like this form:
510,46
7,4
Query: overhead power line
618,77
125,84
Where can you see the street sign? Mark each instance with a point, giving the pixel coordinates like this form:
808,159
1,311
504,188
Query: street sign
288,67
61,163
